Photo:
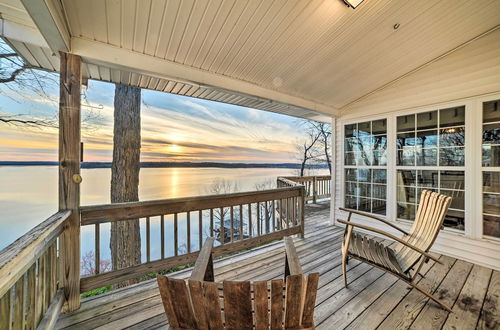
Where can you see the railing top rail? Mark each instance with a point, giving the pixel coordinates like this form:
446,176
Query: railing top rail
94,214
307,178
16,258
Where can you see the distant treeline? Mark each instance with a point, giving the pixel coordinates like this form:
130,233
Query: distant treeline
168,164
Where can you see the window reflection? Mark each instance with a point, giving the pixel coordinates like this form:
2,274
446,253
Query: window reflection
491,134
491,204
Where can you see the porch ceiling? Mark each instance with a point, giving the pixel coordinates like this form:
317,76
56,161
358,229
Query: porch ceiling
307,57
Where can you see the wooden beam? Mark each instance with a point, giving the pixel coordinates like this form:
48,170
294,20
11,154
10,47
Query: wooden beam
100,53
69,176
49,19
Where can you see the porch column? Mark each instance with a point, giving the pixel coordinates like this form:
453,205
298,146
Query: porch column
69,176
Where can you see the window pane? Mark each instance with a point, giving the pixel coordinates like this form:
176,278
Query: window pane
407,195
350,130
406,178
428,179
406,123
451,156
426,138
350,188
379,176
452,179
405,140
491,204
491,226
364,204
406,211
379,191
379,126
363,157
491,111
491,133
379,207
452,117
364,175
349,158
364,128
427,120
350,202
406,157
351,174
365,189
426,157
491,182
380,142
455,219
452,137
457,198
348,145
491,155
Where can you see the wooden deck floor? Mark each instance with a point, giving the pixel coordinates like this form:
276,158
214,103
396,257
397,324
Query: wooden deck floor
372,300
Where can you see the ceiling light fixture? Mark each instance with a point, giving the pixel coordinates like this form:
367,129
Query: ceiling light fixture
352,3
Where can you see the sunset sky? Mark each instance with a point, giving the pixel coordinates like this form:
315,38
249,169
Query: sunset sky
174,128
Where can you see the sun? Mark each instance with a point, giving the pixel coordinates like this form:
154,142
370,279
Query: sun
174,148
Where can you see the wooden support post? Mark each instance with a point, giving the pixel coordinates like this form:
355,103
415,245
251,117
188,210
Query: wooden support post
302,202
69,176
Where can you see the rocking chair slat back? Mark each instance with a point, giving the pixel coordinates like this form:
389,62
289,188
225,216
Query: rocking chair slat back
428,221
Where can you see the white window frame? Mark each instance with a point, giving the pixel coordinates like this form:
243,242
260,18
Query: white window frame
479,169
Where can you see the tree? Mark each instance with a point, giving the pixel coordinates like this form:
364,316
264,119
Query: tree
315,146
125,240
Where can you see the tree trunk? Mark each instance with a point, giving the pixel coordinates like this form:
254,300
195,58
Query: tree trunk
327,155
125,242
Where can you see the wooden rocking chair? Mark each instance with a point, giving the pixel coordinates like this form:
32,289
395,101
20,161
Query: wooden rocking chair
199,303
411,251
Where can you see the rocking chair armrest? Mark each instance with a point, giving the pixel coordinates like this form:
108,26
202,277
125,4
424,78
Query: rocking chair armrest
397,239
292,264
203,267
369,215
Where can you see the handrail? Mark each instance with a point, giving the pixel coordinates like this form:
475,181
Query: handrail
316,186
29,273
131,210
238,221
16,258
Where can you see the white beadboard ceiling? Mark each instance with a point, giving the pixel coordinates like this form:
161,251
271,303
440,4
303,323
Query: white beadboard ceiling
290,56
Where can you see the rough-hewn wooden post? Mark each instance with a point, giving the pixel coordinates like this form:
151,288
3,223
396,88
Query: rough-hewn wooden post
69,176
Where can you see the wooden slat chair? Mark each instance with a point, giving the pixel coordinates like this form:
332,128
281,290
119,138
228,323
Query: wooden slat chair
201,303
410,251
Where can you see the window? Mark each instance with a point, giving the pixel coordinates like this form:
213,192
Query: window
431,155
365,151
491,168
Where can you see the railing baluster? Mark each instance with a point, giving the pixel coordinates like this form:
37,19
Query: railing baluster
48,280
250,228
258,219
176,242
53,266
148,240
18,304
31,291
211,222
294,210
273,210
5,320
281,213
200,229
97,248
266,206
188,231
232,223
162,235
222,225
241,222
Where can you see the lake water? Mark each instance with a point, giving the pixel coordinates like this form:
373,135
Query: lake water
28,195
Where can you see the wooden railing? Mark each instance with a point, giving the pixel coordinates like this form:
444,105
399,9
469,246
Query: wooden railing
316,187
238,221
30,294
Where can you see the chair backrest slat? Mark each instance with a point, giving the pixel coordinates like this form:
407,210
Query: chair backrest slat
276,304
293,301
212,305
428,221
261,303
197,299
237,305
310,300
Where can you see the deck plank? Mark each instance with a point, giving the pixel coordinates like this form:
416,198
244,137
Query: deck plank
373,299
468,305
